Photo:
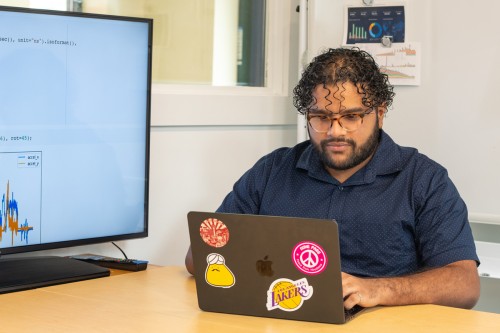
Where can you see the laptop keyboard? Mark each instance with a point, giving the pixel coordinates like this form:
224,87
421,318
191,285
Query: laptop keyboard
349,314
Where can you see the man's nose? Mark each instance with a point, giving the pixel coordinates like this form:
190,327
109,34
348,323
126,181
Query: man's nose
335,128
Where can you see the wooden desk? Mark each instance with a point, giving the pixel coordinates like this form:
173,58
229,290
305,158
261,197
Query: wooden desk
164,300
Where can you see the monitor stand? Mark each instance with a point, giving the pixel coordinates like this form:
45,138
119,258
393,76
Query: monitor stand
22,273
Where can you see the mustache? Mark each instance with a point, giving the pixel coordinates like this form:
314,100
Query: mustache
338,139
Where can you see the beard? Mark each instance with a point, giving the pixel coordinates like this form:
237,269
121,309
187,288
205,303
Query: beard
358,155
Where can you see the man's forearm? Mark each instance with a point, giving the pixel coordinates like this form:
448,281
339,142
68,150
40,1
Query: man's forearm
456,285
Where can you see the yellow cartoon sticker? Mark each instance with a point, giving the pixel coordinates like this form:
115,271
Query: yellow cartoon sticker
217,273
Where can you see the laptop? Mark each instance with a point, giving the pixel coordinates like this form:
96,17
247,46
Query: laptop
268,266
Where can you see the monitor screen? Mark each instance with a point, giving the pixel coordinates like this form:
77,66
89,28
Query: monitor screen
74,128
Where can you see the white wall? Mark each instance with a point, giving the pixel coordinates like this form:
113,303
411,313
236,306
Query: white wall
193,169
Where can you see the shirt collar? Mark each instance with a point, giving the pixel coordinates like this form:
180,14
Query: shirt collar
386,160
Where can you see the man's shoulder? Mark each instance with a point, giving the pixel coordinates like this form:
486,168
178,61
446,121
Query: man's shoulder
421,161
409,156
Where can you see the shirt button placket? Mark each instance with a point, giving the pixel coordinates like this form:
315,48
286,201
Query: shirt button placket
336,202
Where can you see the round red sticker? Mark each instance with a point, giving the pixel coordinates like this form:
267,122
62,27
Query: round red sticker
214,232
309,258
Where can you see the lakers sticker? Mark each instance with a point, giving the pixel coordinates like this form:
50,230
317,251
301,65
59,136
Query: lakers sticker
214,232
288,295
217,273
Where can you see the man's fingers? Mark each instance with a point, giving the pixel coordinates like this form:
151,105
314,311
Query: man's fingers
352,300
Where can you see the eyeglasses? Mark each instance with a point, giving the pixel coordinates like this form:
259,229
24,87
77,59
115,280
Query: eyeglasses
321,122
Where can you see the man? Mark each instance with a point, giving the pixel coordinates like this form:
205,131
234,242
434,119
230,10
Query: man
404,232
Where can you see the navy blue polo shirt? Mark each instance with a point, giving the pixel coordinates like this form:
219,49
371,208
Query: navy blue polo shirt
398,214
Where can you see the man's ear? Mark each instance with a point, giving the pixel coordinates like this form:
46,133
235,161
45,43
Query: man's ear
381,110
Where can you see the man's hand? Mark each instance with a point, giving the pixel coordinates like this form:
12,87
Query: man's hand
456,284
357,291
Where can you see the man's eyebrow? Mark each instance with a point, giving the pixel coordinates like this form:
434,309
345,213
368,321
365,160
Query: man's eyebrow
356,109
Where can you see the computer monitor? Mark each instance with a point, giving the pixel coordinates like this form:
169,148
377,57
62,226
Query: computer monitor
75,98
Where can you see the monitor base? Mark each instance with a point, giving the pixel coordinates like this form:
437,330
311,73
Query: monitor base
23,273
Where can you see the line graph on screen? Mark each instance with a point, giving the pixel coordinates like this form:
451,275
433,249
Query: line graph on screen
20,194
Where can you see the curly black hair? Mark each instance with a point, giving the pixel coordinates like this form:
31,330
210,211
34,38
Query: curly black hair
338,66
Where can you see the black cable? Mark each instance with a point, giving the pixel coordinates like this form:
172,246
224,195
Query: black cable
120,250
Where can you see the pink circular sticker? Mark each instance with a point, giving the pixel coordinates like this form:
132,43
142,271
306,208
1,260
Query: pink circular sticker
214,232
309,258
